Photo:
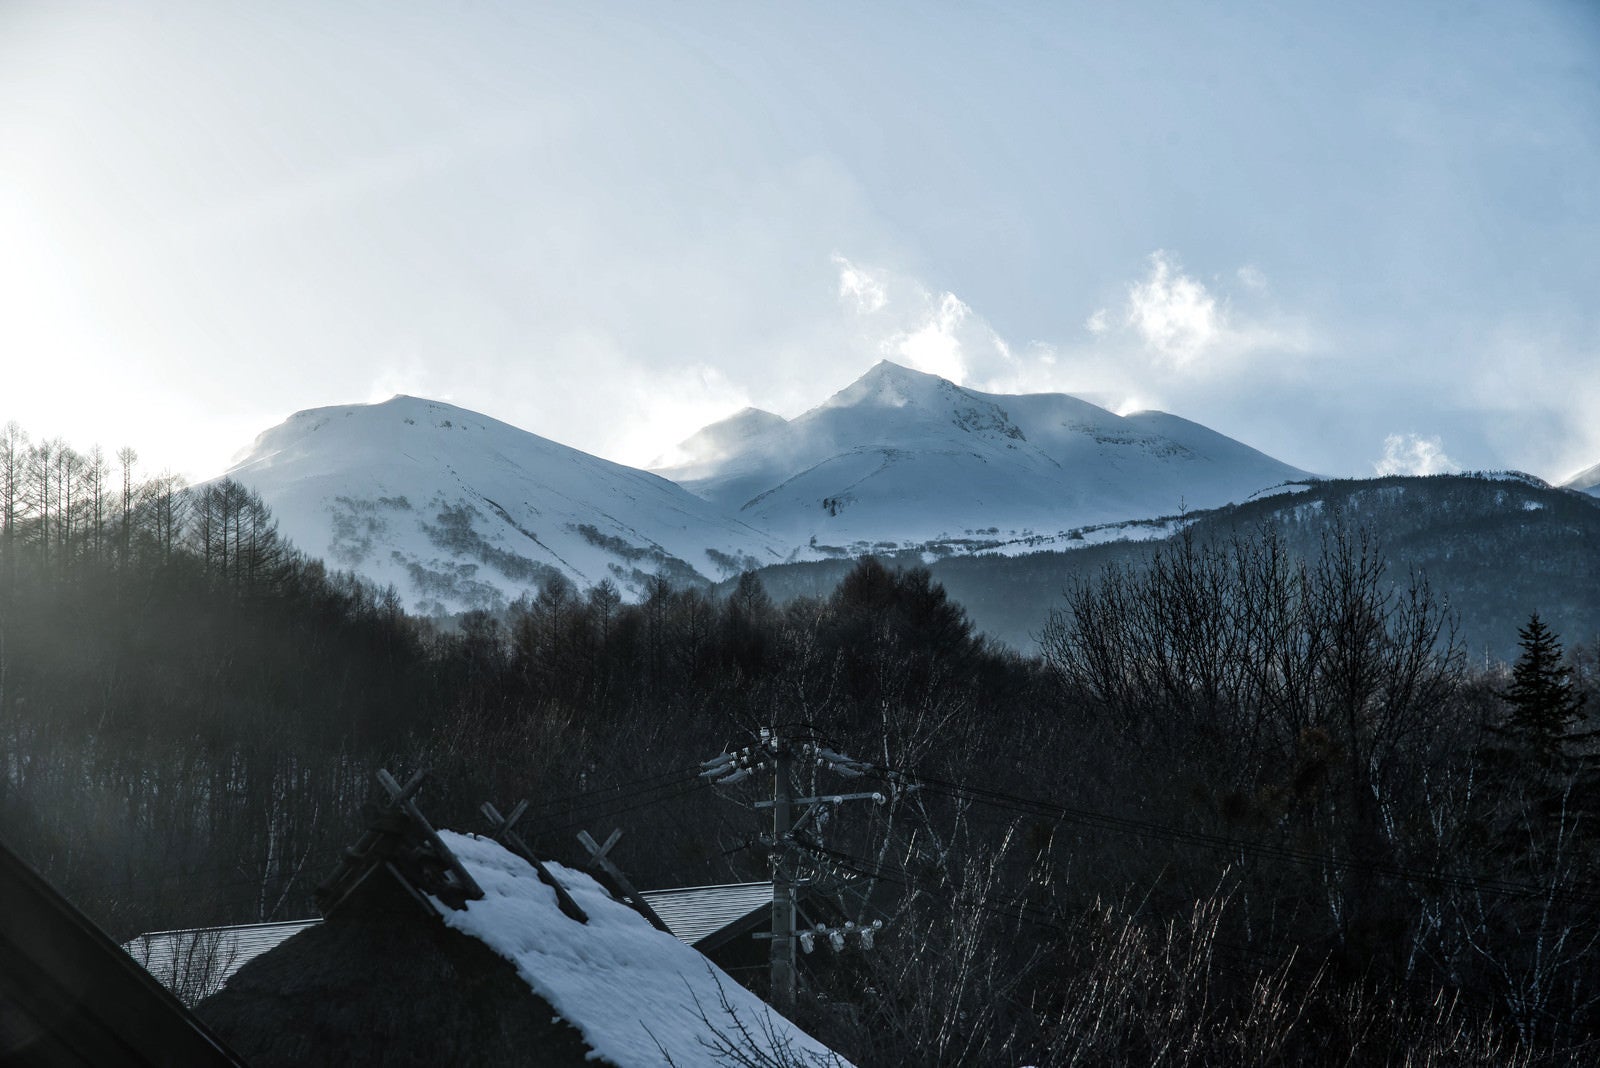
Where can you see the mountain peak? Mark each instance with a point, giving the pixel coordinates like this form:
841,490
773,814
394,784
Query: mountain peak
715,442
889,385
458,510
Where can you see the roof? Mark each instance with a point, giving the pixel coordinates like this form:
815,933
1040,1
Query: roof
706,916
194,962
383,982
69,995
493,941
638,995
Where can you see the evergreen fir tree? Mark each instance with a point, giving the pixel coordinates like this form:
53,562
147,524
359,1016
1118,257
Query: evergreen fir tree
1545,704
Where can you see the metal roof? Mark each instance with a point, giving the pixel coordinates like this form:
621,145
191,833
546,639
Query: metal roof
194,963
69,995
697,913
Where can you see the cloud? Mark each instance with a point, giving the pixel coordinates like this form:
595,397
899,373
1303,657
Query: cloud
1171,342
1177,323
898,318
1251,277
936,345
650,408
1173,313
1169,335
859,287
1533,387
1413,454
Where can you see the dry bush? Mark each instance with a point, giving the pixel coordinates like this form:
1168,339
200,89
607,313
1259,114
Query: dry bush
1174,993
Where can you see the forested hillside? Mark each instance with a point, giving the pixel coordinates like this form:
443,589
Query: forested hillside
1251,803
1499,547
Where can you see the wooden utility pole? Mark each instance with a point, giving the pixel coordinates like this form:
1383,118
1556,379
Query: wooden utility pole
783,977
777,753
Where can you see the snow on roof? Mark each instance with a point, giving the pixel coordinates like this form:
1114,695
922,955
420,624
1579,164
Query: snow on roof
634,992
196,961
695,913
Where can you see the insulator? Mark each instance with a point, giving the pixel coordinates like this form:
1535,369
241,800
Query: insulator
866,937
808,941
836,940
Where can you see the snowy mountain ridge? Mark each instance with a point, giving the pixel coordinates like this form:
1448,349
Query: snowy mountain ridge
900,458
457,510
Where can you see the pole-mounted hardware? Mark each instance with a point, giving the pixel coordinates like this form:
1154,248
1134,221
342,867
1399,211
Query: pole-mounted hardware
773,752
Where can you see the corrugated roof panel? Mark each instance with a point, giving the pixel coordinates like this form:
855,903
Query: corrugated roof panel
195,962
694,913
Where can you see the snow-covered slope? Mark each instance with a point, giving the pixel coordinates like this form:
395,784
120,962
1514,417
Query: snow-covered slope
901,459
459,511
1587,480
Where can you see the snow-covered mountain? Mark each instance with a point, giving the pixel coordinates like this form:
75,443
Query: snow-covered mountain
1586,481
902,459
459,511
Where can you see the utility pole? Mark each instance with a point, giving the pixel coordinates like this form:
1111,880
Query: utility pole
783,977
779,754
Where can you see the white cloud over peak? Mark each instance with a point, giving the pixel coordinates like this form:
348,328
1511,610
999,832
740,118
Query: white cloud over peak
936,345
1170,334
1413,454
1181,324
859,287
898,318
1172,313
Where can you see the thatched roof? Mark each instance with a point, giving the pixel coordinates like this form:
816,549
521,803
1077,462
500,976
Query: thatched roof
443,948
381,985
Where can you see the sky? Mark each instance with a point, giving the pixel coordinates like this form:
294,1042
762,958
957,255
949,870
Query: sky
1360,237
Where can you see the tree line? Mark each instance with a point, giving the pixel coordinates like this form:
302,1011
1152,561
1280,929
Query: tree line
1247,804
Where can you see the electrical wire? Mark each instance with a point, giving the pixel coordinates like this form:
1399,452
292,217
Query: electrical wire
1167,833
559,802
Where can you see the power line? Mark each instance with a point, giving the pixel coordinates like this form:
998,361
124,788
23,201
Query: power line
1251,958
598,792
1164,832
654,798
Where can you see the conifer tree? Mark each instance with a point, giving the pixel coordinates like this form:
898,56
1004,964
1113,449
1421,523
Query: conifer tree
1545,703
